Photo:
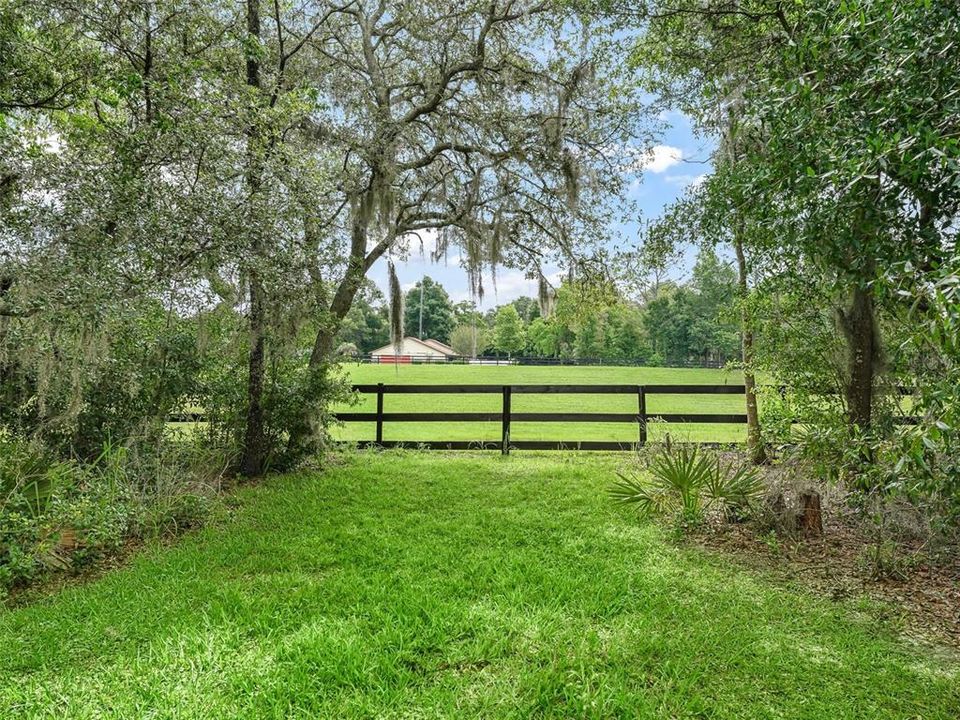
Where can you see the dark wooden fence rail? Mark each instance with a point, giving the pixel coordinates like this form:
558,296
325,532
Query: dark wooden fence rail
506,416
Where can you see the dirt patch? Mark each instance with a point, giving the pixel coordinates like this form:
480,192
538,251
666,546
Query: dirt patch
924,601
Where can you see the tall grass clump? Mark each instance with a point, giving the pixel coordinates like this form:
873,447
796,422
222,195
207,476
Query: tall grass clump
63,515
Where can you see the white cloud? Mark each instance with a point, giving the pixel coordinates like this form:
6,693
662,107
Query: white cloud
675,118
656,159
685,181
660,158
52,142
510,284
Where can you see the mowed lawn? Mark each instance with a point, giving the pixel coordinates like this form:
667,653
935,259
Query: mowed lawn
419,585
538,375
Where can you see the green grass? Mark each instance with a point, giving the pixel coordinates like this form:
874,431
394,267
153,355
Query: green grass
439,585
505,375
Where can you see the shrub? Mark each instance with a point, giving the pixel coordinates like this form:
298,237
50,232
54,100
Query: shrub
57,515
30,476
296,403
884,559
72,387
687,485
175,514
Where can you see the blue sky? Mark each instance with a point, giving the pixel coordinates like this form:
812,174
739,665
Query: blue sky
678,160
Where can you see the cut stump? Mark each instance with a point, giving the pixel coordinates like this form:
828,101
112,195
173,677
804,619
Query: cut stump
810,522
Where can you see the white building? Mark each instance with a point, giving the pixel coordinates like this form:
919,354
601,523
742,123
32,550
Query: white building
411,349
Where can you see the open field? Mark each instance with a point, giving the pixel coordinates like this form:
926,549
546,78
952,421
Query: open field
433,585
504,375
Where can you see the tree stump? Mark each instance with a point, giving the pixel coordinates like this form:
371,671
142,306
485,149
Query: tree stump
811,515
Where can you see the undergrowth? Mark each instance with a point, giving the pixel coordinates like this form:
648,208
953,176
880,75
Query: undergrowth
64,515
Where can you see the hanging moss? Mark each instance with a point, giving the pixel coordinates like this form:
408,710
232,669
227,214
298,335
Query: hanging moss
396,308
571,178
546,296
496,238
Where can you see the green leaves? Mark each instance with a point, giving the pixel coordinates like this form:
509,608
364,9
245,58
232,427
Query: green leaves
433,306
509,336
687,484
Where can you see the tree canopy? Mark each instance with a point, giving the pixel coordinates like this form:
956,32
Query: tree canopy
508,333
247,165
428,312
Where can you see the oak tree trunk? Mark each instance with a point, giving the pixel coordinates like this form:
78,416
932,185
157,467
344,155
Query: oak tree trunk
347,290
253,460
860,327
358,264
758,454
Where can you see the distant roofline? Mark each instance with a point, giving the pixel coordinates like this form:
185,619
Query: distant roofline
436,344
439,347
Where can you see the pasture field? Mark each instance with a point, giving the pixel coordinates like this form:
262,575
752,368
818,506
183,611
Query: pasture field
539,375
436,585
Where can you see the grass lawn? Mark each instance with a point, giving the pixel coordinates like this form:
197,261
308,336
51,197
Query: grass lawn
419,585
537,375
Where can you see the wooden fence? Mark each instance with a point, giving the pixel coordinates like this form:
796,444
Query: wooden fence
506,416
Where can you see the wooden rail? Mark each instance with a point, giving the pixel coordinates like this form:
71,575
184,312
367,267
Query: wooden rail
506,416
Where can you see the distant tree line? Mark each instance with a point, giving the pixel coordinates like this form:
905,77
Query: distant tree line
675,323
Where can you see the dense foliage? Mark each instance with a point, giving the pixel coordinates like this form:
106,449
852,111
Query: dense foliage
836,181
428,312
686,322
192,196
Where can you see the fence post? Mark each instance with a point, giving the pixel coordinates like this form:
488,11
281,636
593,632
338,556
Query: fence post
505,422
642,412
380,414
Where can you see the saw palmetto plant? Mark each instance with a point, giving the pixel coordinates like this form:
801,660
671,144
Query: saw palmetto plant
688,485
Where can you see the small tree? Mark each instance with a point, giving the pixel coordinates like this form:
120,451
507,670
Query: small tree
467,340
508,331
542,336
527,307
589,342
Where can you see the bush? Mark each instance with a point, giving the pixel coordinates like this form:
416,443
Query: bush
688,485
926,456
175,514
73,390
294,396
57,515
30,476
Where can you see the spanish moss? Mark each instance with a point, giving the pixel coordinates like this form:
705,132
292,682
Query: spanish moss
546,296
396,308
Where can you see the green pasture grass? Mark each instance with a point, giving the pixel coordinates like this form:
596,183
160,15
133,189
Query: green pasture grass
441,374
438,585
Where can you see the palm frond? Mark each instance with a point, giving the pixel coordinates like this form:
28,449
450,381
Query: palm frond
686,483
650,498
